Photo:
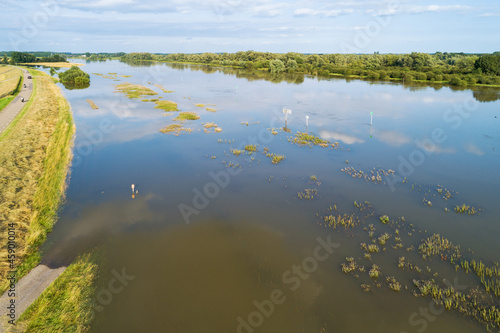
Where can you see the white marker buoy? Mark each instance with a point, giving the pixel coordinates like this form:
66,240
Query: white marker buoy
371,118
287,112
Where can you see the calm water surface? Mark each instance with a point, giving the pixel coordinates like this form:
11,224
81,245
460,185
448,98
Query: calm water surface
216,270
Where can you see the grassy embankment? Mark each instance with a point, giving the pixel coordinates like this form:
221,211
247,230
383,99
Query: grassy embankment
35,153
10,83
66,305
34,157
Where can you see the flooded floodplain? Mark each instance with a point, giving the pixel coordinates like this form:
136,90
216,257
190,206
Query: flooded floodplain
364,208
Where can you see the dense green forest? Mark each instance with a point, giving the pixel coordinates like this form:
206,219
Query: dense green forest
456,69
23,57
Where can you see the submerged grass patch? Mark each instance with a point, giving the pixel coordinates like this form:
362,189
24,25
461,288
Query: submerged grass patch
167,106
163,89
307,194
175,129
306,139
134,91
465,209
187,116
208,126
92,104
236,152
251,148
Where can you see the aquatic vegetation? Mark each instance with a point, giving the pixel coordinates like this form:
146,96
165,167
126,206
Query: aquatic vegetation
251,148
374,176
384,219
306,139
166,106
370,248
436,245
274,132
187,116
208,126
92,104
275,158
465,209
393,284
384,238
472,303
200,105
307,194
150,100
134,91
175,129
278,158
345,221
313,178
366,287
374,272
350,266
211,109
236,152
367,256
125,76
441,190
163,89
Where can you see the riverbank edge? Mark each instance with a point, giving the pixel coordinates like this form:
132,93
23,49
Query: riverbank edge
342,76
52,184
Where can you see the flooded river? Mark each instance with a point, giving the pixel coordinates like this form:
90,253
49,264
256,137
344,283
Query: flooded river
212,241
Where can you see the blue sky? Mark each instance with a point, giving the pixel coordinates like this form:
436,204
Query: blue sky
189,26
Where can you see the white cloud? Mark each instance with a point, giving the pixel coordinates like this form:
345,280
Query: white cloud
393,138
269,10
346,138
488,14
415,9
327,13
473,149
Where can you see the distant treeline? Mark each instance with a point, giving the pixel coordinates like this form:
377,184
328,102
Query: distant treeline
457,69
23,57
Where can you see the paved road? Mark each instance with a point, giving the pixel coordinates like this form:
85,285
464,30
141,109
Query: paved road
11,110
26,292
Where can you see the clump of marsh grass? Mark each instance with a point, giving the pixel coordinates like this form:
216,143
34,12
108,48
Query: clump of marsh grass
175,129
251,148
384,219
306,139
393,284
465,209
187,116
163,89
374,272
134,91
167,106
307,194
236,152
345,221
92,104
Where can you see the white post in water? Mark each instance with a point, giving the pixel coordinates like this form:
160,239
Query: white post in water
287,112
371,118
133,188
307,122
